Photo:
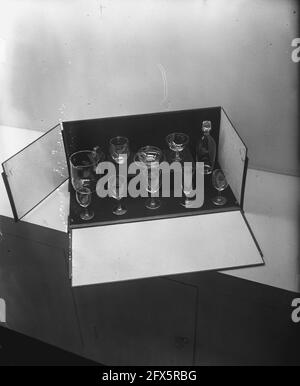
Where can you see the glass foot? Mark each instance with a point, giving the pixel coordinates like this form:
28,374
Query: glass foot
153,203
208,169
219,200
119,211
87,215
187,203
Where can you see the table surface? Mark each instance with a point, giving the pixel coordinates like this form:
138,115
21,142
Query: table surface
271,204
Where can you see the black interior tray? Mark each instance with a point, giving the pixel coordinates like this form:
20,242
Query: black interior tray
137,211
141,130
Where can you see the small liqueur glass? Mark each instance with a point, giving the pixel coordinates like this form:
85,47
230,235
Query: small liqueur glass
117,187
84,199
220,183
119,149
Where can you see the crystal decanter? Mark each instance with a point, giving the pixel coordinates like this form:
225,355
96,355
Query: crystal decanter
206,149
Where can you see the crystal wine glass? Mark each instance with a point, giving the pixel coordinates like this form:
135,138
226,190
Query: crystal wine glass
177,143
84,198
220,183
117,188
119,149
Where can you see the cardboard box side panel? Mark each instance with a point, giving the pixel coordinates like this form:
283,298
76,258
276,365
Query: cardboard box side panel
36,171
232,156
161,247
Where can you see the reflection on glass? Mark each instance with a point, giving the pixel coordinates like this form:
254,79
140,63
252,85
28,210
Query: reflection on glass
84,199
220,183
117,186
119,149
83,169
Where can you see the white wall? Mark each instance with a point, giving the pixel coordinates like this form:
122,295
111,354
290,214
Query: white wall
75,59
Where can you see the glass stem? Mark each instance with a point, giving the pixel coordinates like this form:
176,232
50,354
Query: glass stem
119,205
153,200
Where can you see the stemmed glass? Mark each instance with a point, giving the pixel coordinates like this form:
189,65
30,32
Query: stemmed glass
119,149
187,186
177,143
152,176
117,186
149,159
84,199
220,183
83,169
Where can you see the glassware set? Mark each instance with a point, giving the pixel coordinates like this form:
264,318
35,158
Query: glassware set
83,166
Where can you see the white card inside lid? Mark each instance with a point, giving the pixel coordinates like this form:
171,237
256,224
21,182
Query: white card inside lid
162,247
232,154
36,171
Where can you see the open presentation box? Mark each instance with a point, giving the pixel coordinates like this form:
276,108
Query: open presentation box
176,240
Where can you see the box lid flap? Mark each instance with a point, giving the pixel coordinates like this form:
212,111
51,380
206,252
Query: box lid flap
162,247
35,172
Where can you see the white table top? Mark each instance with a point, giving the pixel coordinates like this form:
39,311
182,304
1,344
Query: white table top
271,202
